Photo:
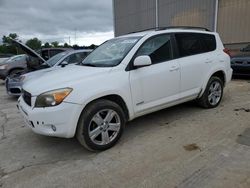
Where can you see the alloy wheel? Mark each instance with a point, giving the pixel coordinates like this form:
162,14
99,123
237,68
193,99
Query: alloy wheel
104,127
214,93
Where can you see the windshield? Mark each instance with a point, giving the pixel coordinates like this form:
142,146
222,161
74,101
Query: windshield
52,61
110,53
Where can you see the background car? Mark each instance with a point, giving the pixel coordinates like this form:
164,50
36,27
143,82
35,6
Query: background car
47,53
13,65
14,83
4,57
240,62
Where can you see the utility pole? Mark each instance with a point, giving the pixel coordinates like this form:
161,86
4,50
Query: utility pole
75,35
156,13
216,15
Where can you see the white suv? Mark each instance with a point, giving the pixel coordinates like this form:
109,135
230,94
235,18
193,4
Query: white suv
124,78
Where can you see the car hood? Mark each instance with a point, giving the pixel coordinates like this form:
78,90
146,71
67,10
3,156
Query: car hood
3,61
28,50
60,78
38,73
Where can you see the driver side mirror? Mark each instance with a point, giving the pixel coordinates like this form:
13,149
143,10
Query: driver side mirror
142,61
64,64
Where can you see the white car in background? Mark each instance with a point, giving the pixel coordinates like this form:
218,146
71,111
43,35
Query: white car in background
124,78
14,83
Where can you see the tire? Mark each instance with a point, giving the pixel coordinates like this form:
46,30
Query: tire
211,97
100,125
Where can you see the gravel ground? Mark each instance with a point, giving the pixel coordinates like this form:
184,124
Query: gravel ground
183,146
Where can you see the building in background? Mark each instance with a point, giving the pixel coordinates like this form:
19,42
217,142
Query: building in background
230,18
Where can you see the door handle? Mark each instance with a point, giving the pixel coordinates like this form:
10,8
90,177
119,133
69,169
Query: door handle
174,68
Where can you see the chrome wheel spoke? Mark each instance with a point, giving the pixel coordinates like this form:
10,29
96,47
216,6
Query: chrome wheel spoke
95,133
217,93
114,127
216,86
105,137
98,119
214,100
110,115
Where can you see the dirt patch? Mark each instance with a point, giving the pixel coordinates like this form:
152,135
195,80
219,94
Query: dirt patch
242,109
191,147
244,138
2,173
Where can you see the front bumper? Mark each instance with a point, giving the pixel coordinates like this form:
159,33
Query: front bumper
58,121
13,88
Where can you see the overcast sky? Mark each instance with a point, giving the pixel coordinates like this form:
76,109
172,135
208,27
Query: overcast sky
57,20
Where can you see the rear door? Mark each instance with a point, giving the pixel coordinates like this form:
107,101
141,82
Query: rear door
196,58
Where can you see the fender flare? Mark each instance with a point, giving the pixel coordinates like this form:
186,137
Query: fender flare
204,85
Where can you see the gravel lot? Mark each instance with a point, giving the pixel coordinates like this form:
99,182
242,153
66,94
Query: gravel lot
183,146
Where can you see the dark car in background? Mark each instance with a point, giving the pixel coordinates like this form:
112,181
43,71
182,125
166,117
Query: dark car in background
13,65
240,62
47,53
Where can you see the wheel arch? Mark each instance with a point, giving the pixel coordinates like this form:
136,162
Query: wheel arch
118,99
15,68
218,73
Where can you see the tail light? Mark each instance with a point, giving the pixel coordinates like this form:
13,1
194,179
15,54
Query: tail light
227,51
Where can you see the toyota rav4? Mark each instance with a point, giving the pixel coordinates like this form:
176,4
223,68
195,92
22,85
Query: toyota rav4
127,77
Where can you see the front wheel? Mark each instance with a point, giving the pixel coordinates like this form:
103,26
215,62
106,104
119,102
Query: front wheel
14,72
212,96
100,125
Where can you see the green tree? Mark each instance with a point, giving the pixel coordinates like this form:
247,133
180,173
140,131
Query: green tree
7,46
66,45
93,46
34,43
6,39
55,44
47,45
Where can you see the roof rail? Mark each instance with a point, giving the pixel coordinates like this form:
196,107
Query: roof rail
182,27
171,27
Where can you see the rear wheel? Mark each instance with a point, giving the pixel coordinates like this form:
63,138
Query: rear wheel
212,96
101,125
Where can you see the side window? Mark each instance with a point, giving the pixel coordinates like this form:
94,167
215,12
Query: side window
74,58
45,54
82,55
208,41
195,43
54,52
158,48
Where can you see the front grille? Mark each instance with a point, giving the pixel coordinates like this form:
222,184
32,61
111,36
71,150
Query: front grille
15,90
27,97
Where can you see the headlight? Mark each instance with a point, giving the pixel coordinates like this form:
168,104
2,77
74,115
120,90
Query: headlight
52,98
3,67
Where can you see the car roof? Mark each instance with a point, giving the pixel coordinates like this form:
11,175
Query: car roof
167,30
77,51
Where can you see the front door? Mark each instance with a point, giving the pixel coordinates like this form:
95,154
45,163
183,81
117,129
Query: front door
155,85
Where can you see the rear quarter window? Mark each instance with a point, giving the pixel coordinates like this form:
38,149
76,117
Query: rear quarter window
194,43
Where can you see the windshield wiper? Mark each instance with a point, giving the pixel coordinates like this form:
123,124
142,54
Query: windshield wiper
88,64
